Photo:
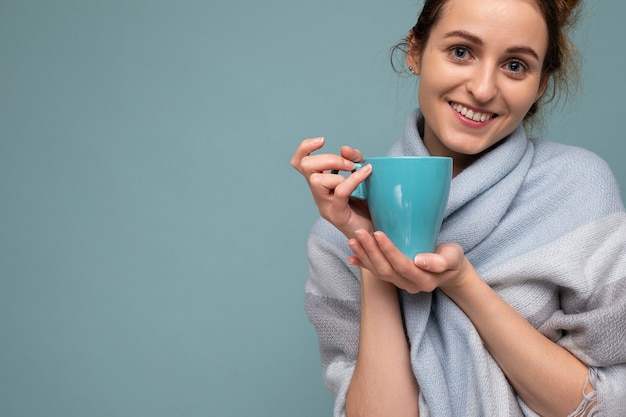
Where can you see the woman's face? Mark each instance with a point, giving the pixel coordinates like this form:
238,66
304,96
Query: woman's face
480,72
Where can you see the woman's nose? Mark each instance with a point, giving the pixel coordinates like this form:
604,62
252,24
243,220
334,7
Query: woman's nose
482,84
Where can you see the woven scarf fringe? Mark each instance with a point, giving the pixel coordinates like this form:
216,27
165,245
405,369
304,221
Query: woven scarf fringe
589,405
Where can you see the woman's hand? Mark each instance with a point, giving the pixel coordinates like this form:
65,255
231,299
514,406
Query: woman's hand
331,192
446,269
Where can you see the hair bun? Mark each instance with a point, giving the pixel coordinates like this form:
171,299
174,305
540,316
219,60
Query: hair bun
567,10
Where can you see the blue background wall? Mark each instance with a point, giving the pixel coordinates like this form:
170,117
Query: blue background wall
152,232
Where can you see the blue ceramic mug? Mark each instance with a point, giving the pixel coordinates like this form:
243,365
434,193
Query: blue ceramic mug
407,197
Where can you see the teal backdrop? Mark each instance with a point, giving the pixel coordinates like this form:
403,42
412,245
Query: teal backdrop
152,232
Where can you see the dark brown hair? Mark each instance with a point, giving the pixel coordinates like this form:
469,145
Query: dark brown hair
559,67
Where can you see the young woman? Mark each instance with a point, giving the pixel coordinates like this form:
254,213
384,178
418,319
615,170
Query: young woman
522,309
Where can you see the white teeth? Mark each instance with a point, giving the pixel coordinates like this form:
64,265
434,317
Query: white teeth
470,114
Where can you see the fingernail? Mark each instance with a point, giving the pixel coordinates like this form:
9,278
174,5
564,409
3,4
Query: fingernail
349,165
360,234
319,140
421,261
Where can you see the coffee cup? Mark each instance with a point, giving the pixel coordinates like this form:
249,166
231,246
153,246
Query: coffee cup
407,197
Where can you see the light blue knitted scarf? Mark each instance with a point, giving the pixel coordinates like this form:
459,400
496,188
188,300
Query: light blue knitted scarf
545,226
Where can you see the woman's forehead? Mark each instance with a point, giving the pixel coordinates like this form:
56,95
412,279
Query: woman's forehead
502,22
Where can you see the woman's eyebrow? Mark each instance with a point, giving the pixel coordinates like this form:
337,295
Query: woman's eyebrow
465,35
477,41
523,50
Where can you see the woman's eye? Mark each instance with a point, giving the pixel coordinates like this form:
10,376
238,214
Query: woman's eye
460,52
515,66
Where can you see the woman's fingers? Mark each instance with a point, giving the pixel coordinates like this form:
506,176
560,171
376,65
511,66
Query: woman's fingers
324,163
408,276
345,188
341,187
360,257
392,253
331,190
305,163
351,154
374,259
304,149
448,257
379,255
323,183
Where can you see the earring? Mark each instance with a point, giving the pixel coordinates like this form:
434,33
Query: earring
412,70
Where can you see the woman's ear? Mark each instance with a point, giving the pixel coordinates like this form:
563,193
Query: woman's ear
412,55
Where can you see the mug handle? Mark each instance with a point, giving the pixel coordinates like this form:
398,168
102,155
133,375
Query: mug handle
360,192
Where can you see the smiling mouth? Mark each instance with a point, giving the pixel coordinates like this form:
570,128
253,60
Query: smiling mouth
471,114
